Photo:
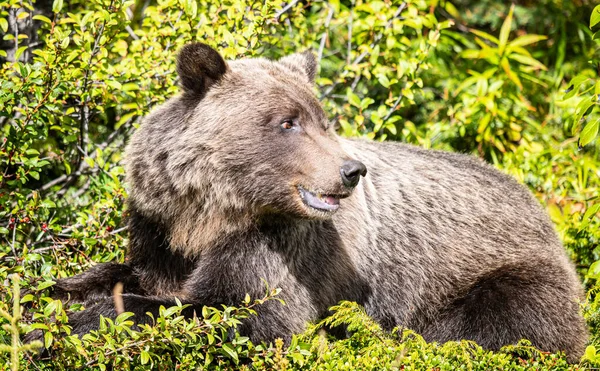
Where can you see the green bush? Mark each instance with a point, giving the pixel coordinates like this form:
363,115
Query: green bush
516,85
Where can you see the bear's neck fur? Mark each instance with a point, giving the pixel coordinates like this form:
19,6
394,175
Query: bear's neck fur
193,232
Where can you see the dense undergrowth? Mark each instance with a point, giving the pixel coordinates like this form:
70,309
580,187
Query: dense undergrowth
516,85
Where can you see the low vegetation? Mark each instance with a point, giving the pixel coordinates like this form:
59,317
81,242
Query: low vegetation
517,85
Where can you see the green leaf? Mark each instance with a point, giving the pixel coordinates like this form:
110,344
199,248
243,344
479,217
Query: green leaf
595,18
510,74
582,108
48,338
523,59
230,352
45,284
145,357
470,54
3,25
505,30
590,353
486,36
526,40
42,18
354,99
587,217
122,317
20,51
589,133
64,43
114,84
57,6
383,80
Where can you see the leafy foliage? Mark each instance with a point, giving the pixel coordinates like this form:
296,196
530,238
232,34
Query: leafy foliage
517,85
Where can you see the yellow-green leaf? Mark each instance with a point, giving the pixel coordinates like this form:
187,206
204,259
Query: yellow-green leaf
510,74
589,133
145,357
595,18
590,353
486,36
527,40
230,351
42,18
528,61
20,51
582,108
57,6
354,99
505,30
587,217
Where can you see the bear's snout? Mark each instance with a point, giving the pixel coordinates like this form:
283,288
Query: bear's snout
351,171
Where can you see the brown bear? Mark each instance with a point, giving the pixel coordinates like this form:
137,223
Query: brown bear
241,180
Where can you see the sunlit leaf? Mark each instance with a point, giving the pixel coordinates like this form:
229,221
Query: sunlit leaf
57,6
505,30
527,40
595,18
589,133
3,24
510,74
582,108
485,36
528,61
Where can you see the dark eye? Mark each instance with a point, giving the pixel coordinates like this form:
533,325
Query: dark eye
288,125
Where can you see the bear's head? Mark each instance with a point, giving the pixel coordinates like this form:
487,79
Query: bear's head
246,140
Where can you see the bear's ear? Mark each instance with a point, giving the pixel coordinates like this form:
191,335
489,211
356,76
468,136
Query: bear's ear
305,63
199,66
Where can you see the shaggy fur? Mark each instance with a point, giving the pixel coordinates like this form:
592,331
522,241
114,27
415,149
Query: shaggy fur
437,242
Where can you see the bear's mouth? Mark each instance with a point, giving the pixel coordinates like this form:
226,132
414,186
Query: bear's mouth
321,201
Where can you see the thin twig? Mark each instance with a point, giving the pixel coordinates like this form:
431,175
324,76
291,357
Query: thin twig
376,41
128,27
62,234
82,171
391,111
131,33
42,249
401,96
12,20
118,230
285,9
325,34
118,350
14,236
84,110
349,51
461,27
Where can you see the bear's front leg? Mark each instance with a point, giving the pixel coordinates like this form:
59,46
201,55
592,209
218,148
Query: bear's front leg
226,278
96,283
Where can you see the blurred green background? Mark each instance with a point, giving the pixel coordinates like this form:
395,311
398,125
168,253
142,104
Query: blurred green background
515,83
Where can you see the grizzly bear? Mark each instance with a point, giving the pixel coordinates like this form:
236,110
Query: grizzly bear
241,180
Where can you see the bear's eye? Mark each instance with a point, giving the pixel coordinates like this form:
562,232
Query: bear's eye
288,125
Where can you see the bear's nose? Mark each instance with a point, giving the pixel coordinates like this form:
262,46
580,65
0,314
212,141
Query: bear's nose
351,171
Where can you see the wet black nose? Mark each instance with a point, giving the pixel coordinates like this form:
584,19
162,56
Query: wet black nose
351,171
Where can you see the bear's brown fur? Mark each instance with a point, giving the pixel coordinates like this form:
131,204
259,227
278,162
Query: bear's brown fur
238,180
